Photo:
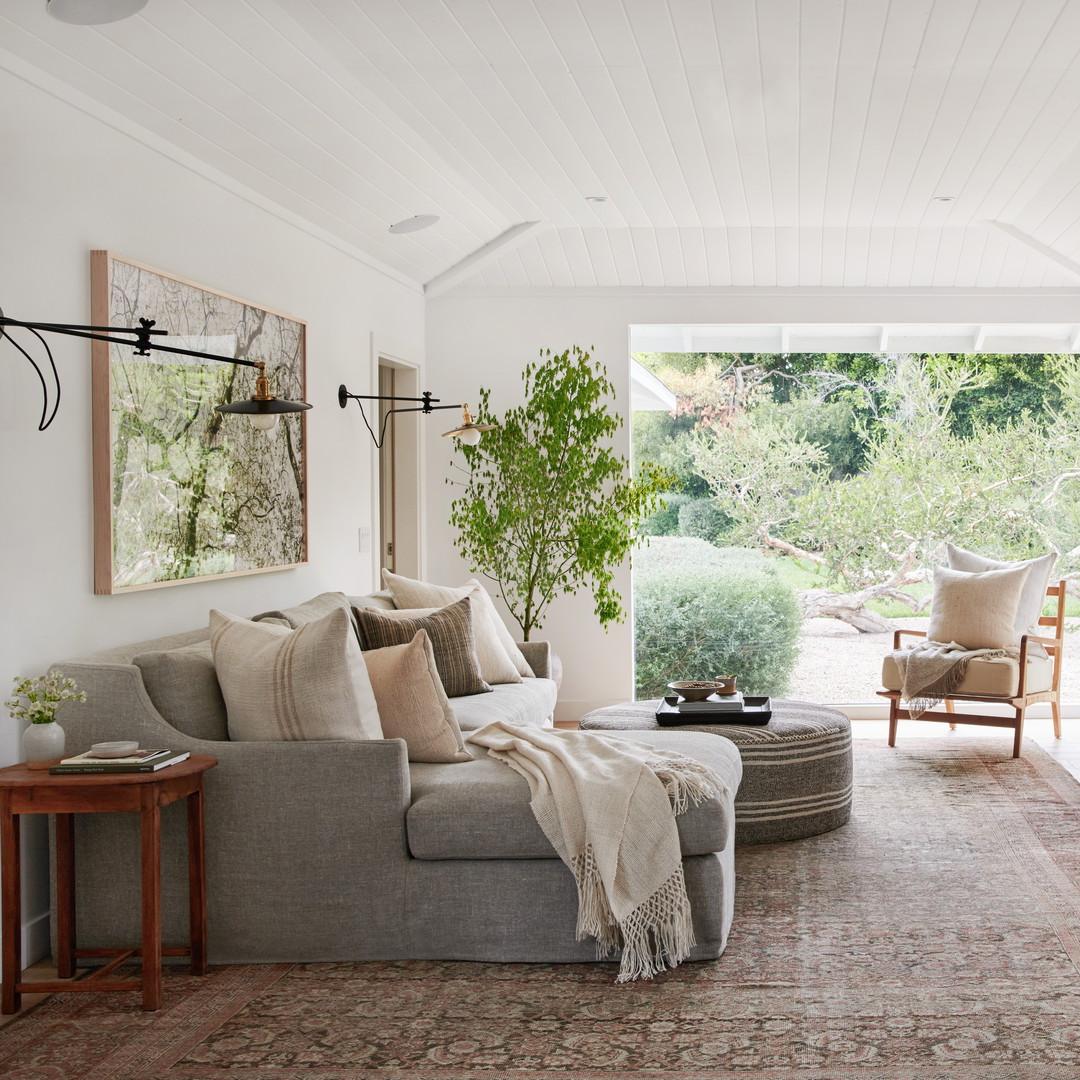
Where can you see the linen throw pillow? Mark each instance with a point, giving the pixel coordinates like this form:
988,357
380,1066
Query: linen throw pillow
452,641
977,611
1033,595
412,703
410,593
281,684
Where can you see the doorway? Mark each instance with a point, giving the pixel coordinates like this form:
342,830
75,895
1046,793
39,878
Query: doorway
398,468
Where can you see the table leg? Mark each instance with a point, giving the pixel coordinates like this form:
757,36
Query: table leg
151,899
197,881
65,896
11,900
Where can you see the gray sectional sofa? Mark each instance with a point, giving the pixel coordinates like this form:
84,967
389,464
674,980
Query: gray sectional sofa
320,851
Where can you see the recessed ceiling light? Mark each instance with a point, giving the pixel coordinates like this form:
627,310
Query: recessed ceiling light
944,198
596,198
93,12
412,224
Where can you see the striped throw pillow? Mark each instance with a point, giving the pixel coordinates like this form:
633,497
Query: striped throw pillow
281,684
452,641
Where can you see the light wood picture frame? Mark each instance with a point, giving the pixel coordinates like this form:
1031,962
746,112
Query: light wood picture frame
182,492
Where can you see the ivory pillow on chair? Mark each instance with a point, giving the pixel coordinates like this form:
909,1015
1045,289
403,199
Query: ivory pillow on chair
1033,595
281,684
412,703
489,627
977,611
452,641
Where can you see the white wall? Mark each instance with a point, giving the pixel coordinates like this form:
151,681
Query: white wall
485,338
69,184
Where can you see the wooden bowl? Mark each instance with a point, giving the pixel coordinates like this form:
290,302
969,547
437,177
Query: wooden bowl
700,689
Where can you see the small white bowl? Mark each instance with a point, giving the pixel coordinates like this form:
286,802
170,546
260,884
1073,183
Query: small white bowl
113,749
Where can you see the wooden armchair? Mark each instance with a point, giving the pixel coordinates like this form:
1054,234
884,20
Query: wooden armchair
1001,681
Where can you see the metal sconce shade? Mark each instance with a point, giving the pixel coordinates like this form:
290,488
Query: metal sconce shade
93,12
470,431
262,408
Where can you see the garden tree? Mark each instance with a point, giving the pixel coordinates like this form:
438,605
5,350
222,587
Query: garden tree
1011,488
547,507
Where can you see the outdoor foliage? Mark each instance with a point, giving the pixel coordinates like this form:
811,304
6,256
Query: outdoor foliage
665,521
703,519
547,507
700,612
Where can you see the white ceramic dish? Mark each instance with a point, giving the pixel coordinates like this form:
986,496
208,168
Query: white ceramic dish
113,749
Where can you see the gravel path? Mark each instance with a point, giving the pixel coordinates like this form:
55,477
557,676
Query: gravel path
838,664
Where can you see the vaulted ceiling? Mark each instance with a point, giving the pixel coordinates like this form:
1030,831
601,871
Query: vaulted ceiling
799,143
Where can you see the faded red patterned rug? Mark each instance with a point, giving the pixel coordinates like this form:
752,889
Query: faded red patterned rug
935,937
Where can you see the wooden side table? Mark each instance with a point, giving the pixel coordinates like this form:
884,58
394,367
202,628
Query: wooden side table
35,791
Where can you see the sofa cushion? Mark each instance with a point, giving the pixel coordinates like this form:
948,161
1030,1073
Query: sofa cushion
500,659
977,611
310,610
183,685
480,810
452,640
280,684
999,677
412,703
530,702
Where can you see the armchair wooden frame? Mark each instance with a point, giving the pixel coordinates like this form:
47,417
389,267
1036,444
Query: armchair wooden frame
1019,703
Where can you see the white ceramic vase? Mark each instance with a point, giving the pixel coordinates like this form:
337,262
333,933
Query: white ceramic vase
43,745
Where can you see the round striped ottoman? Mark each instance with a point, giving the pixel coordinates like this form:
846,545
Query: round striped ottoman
796,768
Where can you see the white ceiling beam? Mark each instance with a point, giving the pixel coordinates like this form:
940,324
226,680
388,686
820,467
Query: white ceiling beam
1070,266
492,250
980,339
883,340
785,339
1074,343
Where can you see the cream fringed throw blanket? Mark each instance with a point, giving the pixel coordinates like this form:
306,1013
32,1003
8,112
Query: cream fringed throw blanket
933,670
608,806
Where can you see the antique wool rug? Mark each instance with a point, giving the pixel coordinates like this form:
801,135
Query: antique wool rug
935,937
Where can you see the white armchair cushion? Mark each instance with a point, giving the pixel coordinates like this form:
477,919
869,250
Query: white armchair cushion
977,611
997,677
1032,596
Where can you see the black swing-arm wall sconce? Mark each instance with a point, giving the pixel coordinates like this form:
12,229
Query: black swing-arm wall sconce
469,431
262,408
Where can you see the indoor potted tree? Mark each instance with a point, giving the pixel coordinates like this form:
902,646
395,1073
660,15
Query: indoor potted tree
547,506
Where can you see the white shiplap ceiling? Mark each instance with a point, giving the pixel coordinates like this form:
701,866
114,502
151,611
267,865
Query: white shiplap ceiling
739,142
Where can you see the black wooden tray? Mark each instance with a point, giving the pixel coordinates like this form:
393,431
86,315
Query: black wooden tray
755,710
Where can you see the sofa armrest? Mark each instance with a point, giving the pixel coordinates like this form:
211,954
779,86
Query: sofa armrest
306,842
538,654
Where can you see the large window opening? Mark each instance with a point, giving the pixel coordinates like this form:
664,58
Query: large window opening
816,491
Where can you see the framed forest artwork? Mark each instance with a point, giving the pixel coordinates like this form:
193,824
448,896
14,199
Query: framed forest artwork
182,492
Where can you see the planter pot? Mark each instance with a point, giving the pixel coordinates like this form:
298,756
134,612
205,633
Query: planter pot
43,745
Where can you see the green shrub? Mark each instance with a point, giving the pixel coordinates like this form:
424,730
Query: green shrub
665,522
667,552
704,519
697,622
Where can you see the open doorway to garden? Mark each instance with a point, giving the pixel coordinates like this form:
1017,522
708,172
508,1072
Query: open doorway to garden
816,492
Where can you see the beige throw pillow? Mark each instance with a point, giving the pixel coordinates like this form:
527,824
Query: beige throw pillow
412,703
977,611
490,629
281,684
1033,595
452,641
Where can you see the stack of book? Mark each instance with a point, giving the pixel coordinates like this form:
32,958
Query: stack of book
714,703
137,761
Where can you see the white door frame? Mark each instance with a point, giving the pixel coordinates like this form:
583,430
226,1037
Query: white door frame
410,472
